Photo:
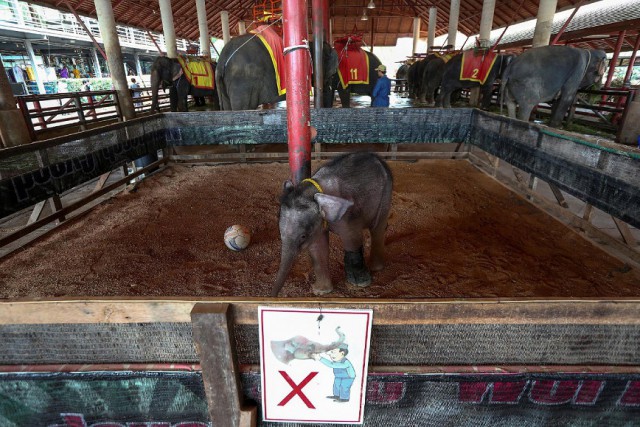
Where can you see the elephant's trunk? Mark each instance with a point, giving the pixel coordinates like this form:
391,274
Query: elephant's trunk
286,261
156,81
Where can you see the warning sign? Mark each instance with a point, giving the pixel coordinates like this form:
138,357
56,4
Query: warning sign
314,364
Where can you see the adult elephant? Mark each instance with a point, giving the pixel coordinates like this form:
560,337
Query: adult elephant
431,77
414,78
167,72
545,73
401,78
360,89
246,77
452,78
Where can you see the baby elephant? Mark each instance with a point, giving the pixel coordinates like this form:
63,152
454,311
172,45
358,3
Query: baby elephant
349,194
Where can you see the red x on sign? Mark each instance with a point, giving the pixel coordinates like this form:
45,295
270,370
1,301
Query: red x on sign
297,389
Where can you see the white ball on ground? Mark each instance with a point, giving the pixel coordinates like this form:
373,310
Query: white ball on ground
237,237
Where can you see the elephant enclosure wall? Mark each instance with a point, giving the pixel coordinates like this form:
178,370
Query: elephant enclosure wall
489,311
454,232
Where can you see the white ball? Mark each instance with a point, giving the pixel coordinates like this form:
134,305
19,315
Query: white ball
237,237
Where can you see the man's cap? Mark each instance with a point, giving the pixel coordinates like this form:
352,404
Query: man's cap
381,68
343,346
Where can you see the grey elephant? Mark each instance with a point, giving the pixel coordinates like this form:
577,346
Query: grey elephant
550,72
346,196
167,72
301,348
246,77
451,80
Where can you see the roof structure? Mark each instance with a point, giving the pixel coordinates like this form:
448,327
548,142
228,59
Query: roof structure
389,20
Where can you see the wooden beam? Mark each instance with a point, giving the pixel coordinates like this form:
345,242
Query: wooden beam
216,347
480,311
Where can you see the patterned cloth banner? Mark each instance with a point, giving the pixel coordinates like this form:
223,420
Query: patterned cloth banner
273,42
353,67
476,65
199,72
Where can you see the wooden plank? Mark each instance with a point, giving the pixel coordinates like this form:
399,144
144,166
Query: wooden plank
558,195
271,156
625,232
619,311
215,344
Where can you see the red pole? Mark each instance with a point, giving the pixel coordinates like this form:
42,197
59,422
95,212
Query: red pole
614,59
632,60
566,24
296,57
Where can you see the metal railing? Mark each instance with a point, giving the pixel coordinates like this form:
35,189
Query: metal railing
80,109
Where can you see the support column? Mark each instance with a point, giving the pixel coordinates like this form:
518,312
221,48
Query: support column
226,34
32,58
296,58
13,129
96,63
433,17
168,30
544,22
317,11
242,28
331,31
416,34
109,35
454,14
205,49
326,23
486,22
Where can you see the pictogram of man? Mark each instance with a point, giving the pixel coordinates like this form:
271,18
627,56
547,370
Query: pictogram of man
343,372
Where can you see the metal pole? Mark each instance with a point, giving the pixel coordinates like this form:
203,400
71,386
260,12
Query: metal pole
32,58
326,15
317,8
297,77
632,60
614,59
566,24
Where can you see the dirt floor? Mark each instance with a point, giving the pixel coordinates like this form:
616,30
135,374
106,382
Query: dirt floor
454,232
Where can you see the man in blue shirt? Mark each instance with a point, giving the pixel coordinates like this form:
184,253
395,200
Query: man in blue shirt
343,372
382,89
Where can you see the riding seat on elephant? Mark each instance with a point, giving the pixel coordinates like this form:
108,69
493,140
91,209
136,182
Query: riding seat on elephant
549,73
184,76
250,70
356,71
470,69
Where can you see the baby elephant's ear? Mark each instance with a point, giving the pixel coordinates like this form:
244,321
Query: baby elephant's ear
332,208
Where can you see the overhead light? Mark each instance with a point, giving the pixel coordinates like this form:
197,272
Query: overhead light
371,5
364,16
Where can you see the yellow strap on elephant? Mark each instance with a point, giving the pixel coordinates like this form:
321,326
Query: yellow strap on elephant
314,183
325,224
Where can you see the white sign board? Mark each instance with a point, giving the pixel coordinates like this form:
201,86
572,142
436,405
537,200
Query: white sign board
314,364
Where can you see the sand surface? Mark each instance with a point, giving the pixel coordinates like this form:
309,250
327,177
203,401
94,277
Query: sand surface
453,233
